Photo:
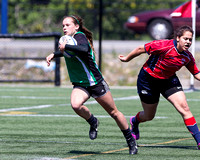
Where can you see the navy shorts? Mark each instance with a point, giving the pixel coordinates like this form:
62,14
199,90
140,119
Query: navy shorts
95,91
150,88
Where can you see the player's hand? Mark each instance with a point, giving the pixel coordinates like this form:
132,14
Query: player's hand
62,46
122,58
49,58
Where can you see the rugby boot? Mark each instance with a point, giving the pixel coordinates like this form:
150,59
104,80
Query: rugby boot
198,146
93,130
134,129
132,146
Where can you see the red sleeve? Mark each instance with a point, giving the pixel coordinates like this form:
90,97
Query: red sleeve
158,46
191,66
151,47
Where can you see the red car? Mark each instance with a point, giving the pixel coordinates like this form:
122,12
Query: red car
160,24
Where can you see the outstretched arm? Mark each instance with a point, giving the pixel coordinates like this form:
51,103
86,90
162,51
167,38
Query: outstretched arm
52,56
134,53
197,76
49,58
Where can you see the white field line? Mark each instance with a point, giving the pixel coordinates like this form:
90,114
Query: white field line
49,105
52,115
68,97
32,97
16,90
195,100
50,158
22,90
25,108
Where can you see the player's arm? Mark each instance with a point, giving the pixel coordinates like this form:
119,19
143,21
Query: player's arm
192,67
77,48
197,76
49,58
81,47
57,54
134,53
74,48
53,55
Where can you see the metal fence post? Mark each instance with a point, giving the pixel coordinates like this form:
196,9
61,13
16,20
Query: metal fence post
57,60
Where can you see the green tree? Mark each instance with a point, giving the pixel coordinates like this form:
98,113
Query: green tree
25,16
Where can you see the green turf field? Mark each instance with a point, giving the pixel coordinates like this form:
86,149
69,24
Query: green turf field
37,123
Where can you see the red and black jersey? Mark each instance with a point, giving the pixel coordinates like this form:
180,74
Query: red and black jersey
165,59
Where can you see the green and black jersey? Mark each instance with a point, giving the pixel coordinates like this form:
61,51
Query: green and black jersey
82,68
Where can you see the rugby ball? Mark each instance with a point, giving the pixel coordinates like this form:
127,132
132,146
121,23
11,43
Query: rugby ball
71,41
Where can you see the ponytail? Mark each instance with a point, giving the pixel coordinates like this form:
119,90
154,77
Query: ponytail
78,20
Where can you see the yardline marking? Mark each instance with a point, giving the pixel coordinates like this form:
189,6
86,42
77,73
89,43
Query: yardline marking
50,105
122,149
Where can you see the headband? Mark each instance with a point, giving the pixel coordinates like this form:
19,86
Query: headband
75,19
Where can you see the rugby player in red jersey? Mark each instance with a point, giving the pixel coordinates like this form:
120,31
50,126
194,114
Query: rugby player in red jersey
158,76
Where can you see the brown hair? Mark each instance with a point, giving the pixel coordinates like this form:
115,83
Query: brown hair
78,20
180,31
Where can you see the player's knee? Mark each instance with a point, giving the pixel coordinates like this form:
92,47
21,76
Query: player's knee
114,114
149,117
184,109
75,106
187,109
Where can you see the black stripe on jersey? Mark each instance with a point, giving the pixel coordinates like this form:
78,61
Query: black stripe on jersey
152,61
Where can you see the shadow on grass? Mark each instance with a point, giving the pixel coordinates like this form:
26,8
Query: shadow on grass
162,146
84,152
90,153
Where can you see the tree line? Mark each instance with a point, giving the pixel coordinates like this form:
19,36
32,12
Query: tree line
36,16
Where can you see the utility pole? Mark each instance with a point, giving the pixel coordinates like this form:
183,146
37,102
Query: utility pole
100,31
4,16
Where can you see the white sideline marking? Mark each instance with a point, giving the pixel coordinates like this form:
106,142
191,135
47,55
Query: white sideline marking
25,108
22,90
126,98
33,97
196,100
49,158
16,90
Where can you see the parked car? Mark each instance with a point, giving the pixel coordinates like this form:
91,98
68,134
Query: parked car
160,24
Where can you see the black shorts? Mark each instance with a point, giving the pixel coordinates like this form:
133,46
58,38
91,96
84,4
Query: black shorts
95,91
150,88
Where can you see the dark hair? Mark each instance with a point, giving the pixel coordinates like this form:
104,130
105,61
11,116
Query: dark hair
78,20
198,3
180,31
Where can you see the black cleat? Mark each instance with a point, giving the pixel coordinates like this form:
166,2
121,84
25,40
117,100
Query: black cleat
133,146
93,131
